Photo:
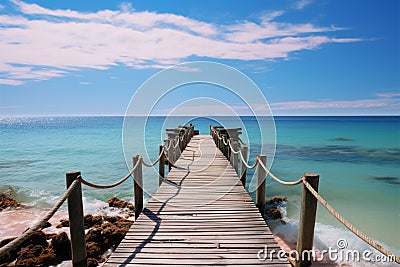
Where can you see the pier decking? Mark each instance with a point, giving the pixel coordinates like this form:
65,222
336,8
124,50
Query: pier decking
200,215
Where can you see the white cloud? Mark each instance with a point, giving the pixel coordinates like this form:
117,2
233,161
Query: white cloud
85,83
302,4
43,43
389,100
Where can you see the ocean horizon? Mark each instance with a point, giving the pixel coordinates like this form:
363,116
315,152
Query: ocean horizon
357,158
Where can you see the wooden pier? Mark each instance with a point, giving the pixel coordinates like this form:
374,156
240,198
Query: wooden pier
200,215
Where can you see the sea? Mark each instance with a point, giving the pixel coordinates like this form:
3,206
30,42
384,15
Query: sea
357,158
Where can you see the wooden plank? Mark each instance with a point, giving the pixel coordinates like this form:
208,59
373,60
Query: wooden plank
199,216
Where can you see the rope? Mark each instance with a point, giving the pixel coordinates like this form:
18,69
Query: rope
177,143
17,242
276,178
99,186
246,163
155,162
233,150
225,143
169,145
351,227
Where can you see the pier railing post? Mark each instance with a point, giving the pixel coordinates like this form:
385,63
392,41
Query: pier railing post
77,230
243,168
138,186
161,167
225,149
307,221
169,153
261,178
235,156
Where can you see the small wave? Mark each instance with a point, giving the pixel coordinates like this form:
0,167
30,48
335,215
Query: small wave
327,236
40,199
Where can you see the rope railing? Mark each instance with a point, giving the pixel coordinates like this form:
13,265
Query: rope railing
232,149
246,163
299,181
156,161
19,240
350,226
99,186
302,180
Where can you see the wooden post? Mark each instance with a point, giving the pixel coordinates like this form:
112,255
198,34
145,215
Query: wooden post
261,178
225,149
169,154
173,154
138,187
161,167
228,153
243,168
307,221
76,227
235,157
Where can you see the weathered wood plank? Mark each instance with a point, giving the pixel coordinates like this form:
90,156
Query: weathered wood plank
200,216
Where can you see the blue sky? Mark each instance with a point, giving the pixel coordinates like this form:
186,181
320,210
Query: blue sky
309,57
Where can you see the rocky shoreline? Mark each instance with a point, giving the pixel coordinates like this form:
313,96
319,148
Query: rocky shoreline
102,234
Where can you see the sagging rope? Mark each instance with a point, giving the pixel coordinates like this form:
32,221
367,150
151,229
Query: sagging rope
17,242
349,226
156,161
299,181
98,186
140,161
246,163
232,149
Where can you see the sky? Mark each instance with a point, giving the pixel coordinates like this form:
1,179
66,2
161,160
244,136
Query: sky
308,57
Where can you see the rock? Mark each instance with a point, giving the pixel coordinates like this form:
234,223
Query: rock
91,262
113,235
36,255
50,236
61,246
276,200
93,250
28,256
111,219
108,235
118,203
37,238
63,223
273,214
91,221
95,235
8,202
49,258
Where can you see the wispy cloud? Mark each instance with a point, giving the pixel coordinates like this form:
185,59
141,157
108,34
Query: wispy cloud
387,100
43,43
85,83
302,4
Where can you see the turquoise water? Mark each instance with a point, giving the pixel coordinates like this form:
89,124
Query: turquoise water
358,159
